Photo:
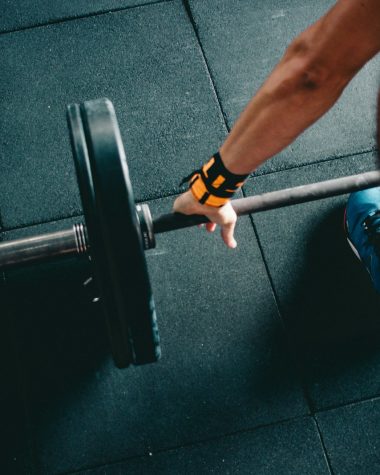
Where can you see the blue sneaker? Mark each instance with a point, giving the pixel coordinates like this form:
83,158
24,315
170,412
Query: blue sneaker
362,225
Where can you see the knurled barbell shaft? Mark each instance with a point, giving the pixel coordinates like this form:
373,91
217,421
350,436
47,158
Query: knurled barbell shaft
276,199
43,247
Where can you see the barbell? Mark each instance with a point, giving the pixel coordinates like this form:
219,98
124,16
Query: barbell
117,231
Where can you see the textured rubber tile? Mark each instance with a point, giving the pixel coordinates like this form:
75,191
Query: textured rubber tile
287,448
326,298
58,338
14,453
244,40
225,365
351,436
147,61
21,14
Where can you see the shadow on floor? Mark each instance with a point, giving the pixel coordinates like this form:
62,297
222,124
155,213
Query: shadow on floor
52,337
334,311
14,443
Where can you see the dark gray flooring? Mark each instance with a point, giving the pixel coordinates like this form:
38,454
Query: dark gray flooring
225,365
270,358
242,44
313,271
148,63
351,437
30,13
286,448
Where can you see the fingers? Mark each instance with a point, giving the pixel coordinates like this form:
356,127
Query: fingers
228,234
210,227
224,216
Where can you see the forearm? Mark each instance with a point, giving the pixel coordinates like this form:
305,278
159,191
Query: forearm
283,108
305,84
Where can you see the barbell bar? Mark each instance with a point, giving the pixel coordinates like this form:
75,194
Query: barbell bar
276,199
74,241
116,231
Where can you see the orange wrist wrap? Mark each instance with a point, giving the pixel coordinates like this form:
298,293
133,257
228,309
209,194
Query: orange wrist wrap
213,185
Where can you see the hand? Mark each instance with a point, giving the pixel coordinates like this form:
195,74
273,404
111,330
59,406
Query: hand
224,216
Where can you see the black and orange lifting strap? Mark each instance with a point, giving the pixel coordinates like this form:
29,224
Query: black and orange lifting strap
213,184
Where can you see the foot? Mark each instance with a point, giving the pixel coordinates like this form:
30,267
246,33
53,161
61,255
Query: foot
362,224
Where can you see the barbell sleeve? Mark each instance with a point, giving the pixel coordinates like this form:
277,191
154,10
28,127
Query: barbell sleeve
276,199
43,247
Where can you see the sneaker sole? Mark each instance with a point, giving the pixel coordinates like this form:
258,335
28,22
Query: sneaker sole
354,250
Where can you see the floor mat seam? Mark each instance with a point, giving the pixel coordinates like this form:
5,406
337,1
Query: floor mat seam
316,162
187,8
81,17
324,448
192,444
289,341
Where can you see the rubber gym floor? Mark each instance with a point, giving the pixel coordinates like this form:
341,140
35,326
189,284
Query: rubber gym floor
271,352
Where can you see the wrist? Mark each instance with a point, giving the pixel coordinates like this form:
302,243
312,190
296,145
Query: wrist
214,185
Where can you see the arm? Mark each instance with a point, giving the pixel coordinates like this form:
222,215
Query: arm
304,85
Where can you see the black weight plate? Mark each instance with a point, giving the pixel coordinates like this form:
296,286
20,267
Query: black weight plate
119,338
114,233
120,230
